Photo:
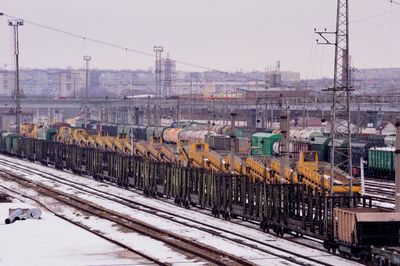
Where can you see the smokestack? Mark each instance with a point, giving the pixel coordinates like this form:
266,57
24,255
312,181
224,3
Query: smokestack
397,165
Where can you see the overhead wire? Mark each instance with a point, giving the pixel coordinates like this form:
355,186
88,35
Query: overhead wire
109,44
116,46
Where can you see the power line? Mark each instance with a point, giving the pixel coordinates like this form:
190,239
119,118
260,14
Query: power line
371,17
85,38
377,25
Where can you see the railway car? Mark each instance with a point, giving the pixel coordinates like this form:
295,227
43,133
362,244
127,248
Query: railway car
150,133
158,133
360,149
41,132
243,146
294,150
356,230
28,130
262,143
339,144
327,218
11,143
218,142
171,135
124,130
303,135
139,132
109,129
247,132
367,137
381,162
320,145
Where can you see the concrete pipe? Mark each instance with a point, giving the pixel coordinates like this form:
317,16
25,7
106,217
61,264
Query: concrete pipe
14,216
33,213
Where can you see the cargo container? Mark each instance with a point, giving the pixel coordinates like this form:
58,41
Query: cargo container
262,143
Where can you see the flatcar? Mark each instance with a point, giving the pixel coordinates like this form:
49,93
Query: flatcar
351,231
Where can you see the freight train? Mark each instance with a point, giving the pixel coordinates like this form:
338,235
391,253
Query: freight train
372,148
186,146
376,151
361,231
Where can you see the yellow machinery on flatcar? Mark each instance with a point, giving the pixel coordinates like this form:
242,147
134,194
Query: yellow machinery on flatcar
28,130
306,171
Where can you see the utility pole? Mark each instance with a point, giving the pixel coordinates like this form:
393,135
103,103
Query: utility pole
158,50
87,59
15,23
341,91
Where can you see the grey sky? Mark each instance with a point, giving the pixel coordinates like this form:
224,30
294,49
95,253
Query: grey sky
223,34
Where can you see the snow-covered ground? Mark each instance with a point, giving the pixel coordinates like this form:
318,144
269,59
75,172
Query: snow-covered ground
140,243
200,236
53,241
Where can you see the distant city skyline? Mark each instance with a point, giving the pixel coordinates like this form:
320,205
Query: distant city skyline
224,35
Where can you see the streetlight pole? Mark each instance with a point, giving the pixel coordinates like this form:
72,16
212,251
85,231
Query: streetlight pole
87,58
15,23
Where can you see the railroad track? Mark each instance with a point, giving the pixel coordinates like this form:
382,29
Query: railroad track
86,228
207,253
382,191
271,249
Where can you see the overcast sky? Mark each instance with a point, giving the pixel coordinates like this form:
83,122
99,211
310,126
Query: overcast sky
223,34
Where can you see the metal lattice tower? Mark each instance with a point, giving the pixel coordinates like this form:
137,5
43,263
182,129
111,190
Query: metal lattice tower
341,92
157,116
15,23
87,59
158,50
168,77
